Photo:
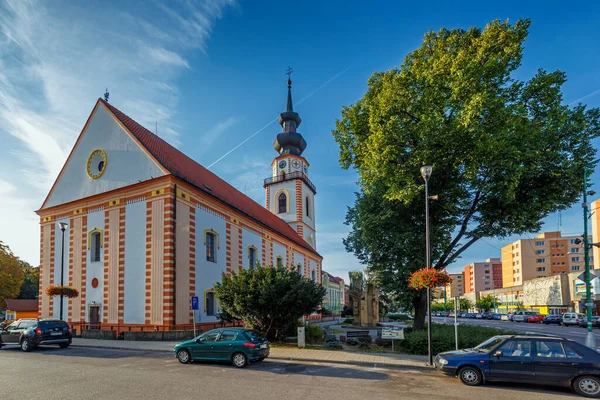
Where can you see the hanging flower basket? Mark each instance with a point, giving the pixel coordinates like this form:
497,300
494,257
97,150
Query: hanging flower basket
428,278
65,291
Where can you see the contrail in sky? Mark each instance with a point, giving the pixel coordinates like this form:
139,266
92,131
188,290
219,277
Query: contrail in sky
275,120
585,97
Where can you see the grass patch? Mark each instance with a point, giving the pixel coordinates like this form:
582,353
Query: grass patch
443,338
281,345
336,331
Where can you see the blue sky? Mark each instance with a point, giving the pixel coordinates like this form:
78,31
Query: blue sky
211,74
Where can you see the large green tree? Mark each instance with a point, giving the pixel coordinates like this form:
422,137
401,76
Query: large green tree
11,274
487,303
31,281
505,152
269,299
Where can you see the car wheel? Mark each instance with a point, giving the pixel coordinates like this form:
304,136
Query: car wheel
239,360
588,386
25,345
184,356
64,345
470,376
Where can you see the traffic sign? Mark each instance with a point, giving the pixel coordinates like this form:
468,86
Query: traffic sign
195,303
589,304
592,276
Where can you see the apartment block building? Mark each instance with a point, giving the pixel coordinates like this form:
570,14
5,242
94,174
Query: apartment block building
547,254
482,276
456,288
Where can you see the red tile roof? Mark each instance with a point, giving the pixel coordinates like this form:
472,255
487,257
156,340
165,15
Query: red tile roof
21,305
183,167
331,278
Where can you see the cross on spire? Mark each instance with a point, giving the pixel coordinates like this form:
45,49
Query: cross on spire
288,72
106,95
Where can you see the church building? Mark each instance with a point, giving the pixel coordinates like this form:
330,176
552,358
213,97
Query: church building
145,227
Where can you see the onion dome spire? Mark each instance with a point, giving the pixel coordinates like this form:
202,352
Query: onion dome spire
289,141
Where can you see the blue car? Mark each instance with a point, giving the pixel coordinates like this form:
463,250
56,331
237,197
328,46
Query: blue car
553,319
543,360
497,317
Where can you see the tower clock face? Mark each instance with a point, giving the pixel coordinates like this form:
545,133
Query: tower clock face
96,164
295,164
282,164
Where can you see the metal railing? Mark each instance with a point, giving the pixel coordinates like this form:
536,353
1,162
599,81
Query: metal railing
290,176
81,326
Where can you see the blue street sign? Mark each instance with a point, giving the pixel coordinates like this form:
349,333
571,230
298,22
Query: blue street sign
195,303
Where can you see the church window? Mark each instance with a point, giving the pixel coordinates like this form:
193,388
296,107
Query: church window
95,246
313,276
282,204
209,304
210,247
251,256
307,201
299,269
280,261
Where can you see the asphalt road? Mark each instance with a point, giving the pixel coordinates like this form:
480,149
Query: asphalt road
570,332
83,373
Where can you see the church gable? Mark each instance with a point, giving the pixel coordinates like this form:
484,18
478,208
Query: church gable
105,157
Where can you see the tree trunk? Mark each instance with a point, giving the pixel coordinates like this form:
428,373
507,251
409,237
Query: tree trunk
420,305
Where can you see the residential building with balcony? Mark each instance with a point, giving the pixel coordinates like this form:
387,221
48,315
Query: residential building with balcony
482,276
547,254
456,287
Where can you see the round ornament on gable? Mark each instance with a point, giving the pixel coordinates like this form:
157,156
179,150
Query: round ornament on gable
296,164
96,164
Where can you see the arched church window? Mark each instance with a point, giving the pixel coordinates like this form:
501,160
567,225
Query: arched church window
210,303
313,276
95,246
280,261
282,204
307,201
251,256
299,269
210,247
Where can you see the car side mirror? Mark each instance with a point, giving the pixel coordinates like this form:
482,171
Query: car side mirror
497,353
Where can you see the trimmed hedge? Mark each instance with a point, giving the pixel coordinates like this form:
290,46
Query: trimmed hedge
443,338
314,334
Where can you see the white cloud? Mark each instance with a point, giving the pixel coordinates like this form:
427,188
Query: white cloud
56,60
215,132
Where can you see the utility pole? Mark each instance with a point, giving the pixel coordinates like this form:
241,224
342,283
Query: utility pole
426,174
590,340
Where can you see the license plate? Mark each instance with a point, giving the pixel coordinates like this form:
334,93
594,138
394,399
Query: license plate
263,346
55,333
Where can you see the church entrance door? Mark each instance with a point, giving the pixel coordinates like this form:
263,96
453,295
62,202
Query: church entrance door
94,317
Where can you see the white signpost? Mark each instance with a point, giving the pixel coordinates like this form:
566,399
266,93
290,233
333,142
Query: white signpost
392,332
195,306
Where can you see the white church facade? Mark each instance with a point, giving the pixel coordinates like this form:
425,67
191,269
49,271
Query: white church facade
147,227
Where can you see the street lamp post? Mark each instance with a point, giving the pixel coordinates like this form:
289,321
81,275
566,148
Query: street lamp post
63,226
590,340
426,174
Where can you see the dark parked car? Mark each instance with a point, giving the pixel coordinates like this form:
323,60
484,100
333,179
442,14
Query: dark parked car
497,317
553,319
544,360
30,333
237,345
595,322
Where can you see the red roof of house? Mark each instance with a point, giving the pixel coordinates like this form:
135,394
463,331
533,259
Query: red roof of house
21,305
181,166
331,278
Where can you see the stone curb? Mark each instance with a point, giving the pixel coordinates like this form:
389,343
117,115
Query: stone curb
420,367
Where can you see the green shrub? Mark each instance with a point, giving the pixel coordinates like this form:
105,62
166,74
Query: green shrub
334,345
348,321
353,341
314,334
365,339
398,317
443,338
330,338
363,345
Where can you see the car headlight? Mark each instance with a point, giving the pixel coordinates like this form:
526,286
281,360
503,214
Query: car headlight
443,361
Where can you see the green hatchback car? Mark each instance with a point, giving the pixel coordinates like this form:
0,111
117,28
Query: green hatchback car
240,346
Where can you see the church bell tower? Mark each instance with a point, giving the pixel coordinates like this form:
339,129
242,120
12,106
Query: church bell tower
289,193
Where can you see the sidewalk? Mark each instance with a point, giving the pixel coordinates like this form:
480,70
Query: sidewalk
372,360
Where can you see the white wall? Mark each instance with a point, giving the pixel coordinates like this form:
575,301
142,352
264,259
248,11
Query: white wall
57,263
290,186
299,259
126,162
250,238
278,250
93,270
307,192
207,272
135,263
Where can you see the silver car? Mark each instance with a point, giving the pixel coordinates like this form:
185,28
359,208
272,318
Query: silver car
572,318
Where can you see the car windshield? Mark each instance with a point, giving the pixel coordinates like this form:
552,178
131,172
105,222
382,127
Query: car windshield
489,344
